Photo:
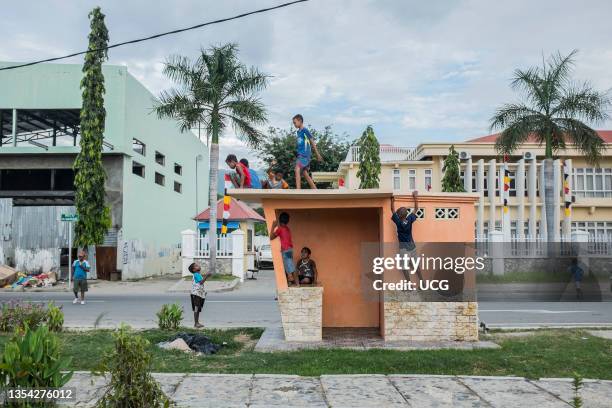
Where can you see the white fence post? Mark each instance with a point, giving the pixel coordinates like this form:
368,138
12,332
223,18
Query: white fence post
496,239
188,250
238,254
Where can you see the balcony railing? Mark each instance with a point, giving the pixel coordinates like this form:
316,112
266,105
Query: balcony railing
387,154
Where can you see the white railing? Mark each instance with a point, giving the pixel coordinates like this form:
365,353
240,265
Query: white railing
224,246
387,154
600,245
530,246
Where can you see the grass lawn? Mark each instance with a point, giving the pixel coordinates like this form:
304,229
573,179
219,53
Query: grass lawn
548,353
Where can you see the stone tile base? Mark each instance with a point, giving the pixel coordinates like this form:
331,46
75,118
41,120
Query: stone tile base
302,313
430,321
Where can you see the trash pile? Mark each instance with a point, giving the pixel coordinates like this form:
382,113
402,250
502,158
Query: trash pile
191,342
34,281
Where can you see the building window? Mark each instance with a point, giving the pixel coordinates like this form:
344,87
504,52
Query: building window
591,182
160,179
139,147
428,179
138,169
396,179
249,240
160,158
178,169
178,187
411,179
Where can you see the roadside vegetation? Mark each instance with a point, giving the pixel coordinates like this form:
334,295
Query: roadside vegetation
545,353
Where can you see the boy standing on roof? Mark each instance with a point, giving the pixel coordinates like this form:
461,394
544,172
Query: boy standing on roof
305,145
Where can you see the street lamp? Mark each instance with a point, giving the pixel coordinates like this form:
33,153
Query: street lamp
198,158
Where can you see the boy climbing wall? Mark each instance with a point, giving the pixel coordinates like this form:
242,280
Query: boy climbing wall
305,146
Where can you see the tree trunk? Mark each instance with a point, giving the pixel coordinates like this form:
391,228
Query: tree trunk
549,202
212,202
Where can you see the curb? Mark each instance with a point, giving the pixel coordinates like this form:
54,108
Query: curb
174,288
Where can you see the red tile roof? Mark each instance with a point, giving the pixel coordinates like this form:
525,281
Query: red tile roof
239,211
606,135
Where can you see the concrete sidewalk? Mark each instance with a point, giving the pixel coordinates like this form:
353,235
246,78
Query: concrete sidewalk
158,284
351,391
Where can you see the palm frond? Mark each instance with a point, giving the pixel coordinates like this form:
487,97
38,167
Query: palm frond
247,81
510,113
179,69
517,132
530,83
558,72
250,109
586,139
175,104
584,103
252,136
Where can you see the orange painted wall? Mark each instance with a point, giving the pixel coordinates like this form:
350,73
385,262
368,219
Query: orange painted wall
334,230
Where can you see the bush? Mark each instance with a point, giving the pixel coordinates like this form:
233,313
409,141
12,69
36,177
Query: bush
19,315
55,317
32,359
129,366
170,316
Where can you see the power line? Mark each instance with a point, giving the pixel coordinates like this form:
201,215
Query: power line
152,37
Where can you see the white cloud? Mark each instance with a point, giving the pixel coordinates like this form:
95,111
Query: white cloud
416,70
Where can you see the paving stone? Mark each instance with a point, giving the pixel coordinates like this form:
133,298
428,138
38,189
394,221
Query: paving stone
595,394
510,392
286,391
88,389
214,391
353,391
431,391
169,382
604,334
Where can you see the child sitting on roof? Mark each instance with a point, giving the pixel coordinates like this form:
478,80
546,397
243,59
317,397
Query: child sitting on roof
242,178
255,183
275,179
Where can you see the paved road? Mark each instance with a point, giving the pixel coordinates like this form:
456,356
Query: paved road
422,391
253,304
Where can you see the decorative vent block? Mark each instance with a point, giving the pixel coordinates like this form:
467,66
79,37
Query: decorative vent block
419,214
447,213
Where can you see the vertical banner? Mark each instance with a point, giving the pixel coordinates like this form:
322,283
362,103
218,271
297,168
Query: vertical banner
226,204
506,189
567,194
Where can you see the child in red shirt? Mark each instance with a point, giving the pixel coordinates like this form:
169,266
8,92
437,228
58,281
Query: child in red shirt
242,178
282,231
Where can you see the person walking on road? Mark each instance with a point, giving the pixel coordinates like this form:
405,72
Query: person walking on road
80,267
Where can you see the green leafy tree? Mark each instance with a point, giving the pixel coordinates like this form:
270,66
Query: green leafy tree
215,91
451,182
369,159
554,111
94,215
279,151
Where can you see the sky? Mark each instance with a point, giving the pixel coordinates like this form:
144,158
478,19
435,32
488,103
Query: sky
417,71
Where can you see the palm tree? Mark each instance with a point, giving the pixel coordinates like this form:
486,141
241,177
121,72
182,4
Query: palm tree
216,91
556,112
